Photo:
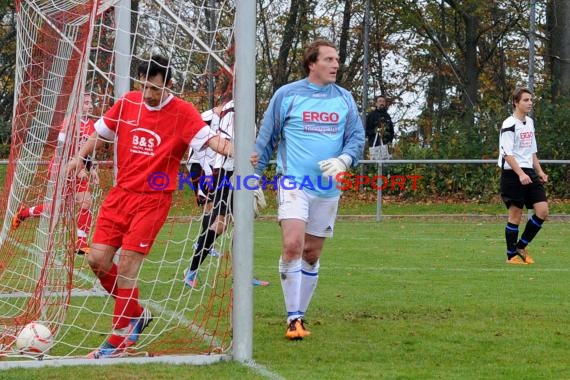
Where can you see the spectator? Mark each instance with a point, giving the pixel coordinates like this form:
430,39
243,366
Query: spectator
379,130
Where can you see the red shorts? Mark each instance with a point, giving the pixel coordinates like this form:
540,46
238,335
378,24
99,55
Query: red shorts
130,220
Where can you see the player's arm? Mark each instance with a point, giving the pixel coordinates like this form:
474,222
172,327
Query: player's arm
83,158
265,143
536,165
353,144
105,131
523,177
353,135
269,133
221,146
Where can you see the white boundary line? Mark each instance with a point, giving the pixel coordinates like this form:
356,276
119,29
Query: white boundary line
262,370
74,293
74,361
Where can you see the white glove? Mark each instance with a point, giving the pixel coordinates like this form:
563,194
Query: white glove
333,166
258,198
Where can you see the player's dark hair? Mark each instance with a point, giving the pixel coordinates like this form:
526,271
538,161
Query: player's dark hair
312,52
518,93
157,64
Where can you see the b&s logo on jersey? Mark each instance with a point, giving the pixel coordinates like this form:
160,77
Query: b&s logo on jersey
144,141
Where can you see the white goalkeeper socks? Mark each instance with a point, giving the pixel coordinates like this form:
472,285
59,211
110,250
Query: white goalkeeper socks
309,278
290,274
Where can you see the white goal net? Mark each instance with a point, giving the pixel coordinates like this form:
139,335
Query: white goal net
66,49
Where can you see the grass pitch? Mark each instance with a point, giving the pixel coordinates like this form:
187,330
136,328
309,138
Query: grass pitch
400,299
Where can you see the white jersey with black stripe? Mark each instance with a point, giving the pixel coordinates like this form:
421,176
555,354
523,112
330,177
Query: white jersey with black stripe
226,131
517,139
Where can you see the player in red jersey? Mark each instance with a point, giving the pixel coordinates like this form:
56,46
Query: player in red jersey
152,130
82,194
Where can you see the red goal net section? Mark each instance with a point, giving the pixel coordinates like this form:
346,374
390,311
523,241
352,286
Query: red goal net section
66,49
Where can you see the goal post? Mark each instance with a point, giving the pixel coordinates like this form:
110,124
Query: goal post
66,49
244,140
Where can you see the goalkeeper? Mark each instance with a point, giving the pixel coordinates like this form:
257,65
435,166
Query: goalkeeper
318,133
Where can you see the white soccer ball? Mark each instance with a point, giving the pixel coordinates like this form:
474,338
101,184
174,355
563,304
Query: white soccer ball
35,339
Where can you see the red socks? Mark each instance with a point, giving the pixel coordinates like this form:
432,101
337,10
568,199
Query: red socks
108,281
84,218
126,307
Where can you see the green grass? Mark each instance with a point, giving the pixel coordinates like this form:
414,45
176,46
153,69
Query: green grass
365,204
400,299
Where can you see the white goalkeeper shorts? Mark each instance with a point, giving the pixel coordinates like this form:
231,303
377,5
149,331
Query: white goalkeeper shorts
319,213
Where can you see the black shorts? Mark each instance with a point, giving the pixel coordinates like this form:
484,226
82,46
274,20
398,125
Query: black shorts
220,193
519,195
197,177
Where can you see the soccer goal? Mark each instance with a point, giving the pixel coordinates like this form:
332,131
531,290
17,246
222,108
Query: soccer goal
66,49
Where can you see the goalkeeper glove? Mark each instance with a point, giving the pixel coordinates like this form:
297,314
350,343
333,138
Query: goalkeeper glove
258,198
333,166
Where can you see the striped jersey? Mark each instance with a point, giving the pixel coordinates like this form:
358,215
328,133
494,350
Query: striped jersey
517,139
222,125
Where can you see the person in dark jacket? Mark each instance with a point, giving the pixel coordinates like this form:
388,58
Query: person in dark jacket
379,122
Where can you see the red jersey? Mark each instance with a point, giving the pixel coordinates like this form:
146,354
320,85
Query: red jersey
86,129
151,141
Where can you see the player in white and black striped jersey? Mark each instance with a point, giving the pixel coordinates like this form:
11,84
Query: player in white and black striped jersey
522,177
218,201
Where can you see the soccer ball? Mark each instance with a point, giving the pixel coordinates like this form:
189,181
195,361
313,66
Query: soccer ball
35,339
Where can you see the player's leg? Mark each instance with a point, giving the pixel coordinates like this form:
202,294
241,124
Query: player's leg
209,231
127,325
292,214
322,216
24,213
214,223
111,225
127,312
149,214
536,199
133,226
512,194
310,265
84,202
514,217
290,266
101,262
196,174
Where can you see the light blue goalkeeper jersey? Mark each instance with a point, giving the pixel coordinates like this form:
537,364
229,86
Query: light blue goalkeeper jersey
309,123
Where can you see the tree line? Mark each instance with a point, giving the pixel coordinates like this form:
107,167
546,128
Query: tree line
447,66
